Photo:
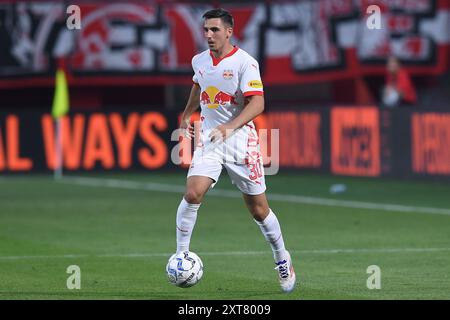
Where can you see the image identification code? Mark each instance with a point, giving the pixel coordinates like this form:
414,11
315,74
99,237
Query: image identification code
226,309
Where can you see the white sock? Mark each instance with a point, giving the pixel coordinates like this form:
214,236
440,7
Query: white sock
270,227
186,217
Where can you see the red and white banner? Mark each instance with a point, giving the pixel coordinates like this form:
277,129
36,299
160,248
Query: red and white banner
295,42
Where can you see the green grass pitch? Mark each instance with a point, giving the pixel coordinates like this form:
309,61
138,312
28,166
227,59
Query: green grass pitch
121,238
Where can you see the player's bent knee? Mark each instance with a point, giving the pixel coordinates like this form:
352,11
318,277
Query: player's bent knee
193,196
259,213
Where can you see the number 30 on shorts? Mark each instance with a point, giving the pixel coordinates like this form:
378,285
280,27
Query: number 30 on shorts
255,169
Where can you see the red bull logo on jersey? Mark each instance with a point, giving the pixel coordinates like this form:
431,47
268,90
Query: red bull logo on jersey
213,98
227,74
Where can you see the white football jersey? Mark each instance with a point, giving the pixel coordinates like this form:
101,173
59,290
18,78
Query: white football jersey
224,84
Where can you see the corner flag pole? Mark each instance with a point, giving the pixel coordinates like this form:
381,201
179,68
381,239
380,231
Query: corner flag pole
58,171
60,108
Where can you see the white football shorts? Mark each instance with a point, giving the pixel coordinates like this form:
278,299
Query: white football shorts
249,178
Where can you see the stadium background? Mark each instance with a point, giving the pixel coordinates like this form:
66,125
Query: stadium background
129,74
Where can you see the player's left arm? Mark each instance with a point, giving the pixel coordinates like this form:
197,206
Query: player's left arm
252,109
252,88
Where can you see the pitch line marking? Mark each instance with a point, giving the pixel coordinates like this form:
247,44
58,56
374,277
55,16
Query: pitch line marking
227,253
161,187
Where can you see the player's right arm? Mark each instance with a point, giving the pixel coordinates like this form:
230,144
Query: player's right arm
191,106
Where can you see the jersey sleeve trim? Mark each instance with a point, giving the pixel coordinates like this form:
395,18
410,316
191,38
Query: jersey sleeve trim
253,93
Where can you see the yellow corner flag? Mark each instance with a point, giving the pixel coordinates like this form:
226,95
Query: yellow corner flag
61,97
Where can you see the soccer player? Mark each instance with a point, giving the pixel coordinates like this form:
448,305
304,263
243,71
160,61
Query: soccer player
228,88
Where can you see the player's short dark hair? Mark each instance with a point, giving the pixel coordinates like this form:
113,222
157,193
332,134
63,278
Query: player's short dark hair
224,15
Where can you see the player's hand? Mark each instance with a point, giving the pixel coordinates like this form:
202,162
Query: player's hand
220,133
187,128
